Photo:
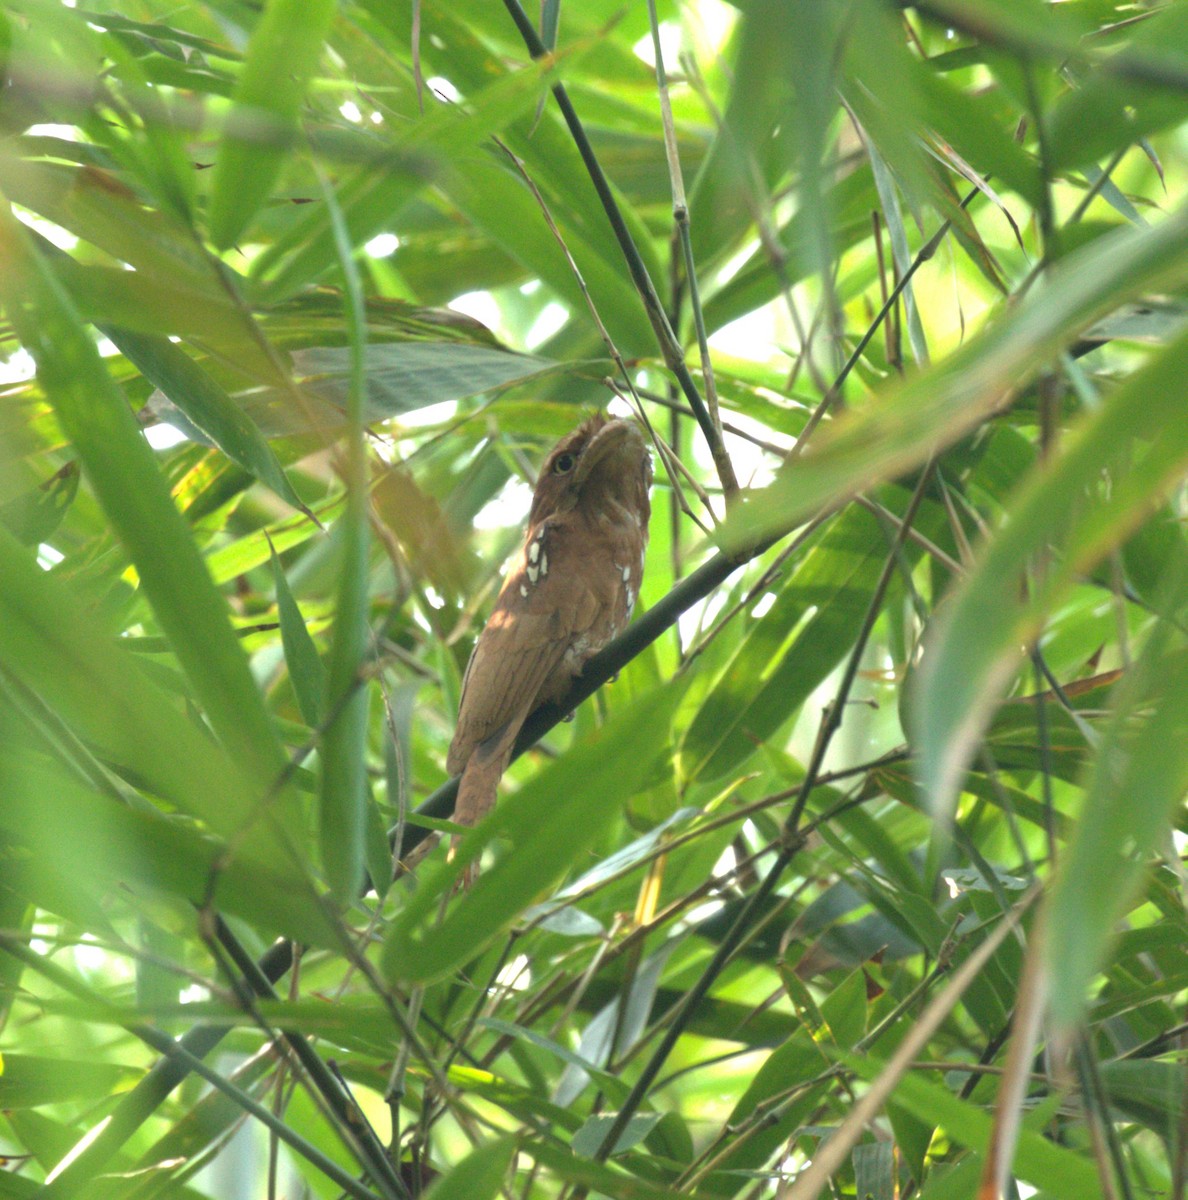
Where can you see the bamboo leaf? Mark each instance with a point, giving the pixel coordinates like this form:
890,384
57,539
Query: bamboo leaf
57,648
29,1081
772,674
281,59
1139,778
121,469
209,407
343,799
591,1135
306,668
479,1175
34,515
111,847
546,837
1140,436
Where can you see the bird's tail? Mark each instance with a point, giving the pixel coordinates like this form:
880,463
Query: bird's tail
480,779
480,782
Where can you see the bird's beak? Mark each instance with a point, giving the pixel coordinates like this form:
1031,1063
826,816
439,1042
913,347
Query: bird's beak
616,439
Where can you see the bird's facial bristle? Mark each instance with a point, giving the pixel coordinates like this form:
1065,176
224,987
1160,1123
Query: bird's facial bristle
602,446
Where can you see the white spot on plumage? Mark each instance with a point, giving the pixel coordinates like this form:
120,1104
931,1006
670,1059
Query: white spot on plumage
523,591
534,550
533,573
544,564
626,573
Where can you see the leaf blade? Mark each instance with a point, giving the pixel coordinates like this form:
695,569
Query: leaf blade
282,56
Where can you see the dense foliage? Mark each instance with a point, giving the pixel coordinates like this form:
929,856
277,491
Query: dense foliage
862,874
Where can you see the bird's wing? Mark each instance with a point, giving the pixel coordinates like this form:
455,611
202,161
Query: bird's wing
543,607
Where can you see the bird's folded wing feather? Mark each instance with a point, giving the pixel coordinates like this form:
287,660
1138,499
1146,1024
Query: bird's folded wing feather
521,650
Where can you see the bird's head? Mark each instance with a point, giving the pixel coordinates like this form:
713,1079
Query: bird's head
602,466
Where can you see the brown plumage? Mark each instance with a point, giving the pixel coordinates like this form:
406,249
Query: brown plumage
569,591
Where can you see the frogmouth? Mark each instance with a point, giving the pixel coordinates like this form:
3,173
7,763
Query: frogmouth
568,592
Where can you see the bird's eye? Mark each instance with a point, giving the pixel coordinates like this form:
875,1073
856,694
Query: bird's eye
564,463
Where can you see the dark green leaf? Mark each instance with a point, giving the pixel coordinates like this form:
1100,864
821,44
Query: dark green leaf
545,841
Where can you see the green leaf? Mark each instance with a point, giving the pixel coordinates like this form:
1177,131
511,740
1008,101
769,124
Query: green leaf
1139,778
306,670
55,646
256,548
99,208
509,215
402,377
175,287
479,1176
16,915
281,59
542,822
611,1084
377,850
1140,437
615,1028
343,801
845,1010
34,515
33,1081
874,1171
788,651
590,1137
112,847
1103,113
121,469
208,406
1148,1091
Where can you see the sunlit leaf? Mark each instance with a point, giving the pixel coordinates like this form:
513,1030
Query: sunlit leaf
280,59
479,1175
1141,437
121,468
545,839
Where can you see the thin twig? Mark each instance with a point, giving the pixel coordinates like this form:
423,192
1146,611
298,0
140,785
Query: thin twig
174,1051
791,838
680,214
670,347
603,332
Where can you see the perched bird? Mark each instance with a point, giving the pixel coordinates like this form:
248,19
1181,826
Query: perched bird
569,591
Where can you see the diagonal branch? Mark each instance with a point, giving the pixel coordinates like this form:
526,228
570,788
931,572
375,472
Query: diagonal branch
791,839
607,663
670,347
137,1105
